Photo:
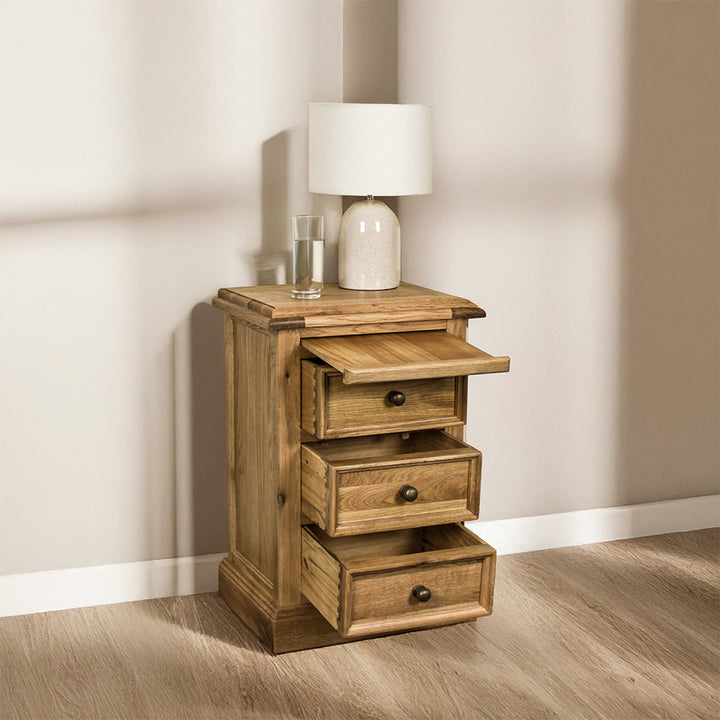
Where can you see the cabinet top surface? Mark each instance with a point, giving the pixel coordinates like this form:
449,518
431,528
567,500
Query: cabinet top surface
273,305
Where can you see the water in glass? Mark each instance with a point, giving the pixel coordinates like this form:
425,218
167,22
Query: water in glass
308,267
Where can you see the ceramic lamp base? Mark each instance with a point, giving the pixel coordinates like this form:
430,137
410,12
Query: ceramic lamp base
369,247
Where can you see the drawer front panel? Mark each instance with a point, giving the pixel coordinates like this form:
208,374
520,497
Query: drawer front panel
379,489
398,581
388,482
379,599
331,409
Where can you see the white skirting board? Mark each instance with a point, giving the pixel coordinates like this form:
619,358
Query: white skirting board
107,584
542,532
25,593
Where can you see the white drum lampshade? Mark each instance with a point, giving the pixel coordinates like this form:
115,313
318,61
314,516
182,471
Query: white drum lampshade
370,149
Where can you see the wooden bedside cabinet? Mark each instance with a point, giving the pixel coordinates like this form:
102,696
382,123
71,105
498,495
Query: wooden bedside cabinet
348,480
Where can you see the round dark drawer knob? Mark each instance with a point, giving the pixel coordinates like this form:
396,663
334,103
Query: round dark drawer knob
395,397
422,593
409,493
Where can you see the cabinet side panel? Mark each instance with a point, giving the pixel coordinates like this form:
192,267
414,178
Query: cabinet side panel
255,449
458,328
286,501
230,427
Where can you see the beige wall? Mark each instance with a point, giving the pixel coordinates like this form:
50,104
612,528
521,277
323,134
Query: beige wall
576,199
152,152
370,45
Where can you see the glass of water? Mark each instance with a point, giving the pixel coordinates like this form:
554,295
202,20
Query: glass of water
308,239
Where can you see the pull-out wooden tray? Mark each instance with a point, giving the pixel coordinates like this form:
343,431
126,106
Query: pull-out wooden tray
401,580
385,357
389,482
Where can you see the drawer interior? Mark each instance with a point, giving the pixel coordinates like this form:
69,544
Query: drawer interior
394,445
398,544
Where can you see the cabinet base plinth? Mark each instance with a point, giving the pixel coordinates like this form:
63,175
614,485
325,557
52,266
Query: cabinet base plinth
281,629
299,627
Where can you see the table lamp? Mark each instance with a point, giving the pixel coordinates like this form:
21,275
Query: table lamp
370,149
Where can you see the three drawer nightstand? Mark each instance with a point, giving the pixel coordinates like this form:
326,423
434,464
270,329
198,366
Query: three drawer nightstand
348,480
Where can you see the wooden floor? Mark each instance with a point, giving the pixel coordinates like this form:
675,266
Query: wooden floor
617,631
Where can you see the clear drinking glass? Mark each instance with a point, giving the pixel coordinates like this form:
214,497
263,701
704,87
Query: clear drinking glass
308,239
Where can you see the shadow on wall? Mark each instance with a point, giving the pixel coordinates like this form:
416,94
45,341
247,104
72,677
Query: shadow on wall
284,194
370,51
207,382
668,420
273,261
201,502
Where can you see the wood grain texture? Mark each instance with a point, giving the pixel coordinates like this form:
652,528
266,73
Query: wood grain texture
332,409
385,601
312,393
410,316
287,501
264,455
277,400
282,629
255,449
316,502
272,306
353,485
321,577
363,588
403,356
458,328
628,630
342,328
230,385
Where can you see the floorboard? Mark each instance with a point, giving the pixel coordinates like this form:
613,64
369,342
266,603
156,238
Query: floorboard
627,630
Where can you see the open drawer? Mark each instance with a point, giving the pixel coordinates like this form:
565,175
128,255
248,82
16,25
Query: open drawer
332,409
388,382
401,580
389,482
385,357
